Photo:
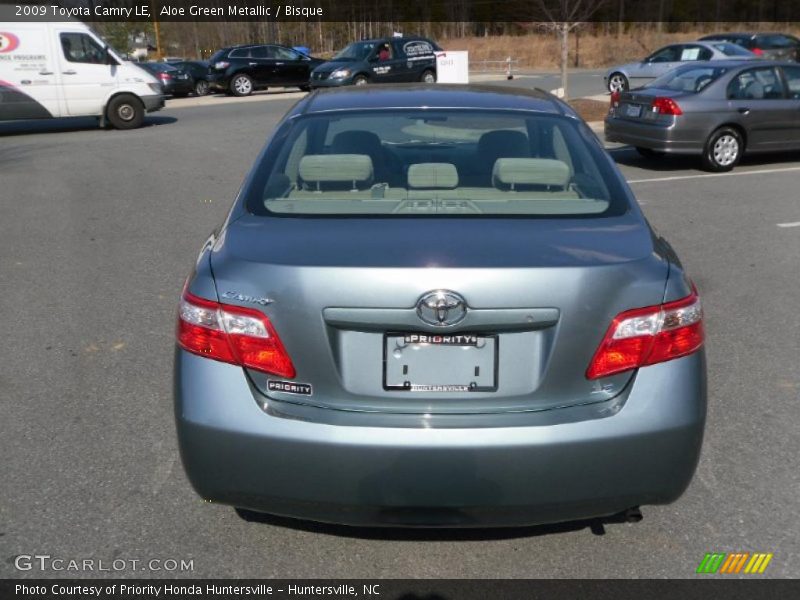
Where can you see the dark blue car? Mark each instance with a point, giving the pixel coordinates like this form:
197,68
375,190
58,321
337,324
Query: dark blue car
385,60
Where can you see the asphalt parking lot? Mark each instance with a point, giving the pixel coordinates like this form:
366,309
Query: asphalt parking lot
98,231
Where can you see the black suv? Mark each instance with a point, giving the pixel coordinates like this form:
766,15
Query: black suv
774,46
386,60
239,70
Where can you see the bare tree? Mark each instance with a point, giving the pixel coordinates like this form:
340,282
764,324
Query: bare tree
563,17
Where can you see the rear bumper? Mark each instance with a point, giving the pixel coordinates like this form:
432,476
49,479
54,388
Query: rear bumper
677,138
644,452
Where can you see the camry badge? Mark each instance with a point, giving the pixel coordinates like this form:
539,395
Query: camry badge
441,308
245,298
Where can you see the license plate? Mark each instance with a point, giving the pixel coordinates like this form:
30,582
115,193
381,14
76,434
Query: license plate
428,362
183,77
633,110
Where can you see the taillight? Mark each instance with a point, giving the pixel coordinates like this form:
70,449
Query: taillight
231,334
758,52
164,76
666,106
615,96
646,336
223,64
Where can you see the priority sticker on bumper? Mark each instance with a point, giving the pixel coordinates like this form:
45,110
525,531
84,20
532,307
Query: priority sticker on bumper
290,387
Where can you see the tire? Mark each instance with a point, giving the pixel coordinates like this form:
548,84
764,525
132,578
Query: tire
241,85
428,77
617,82
723,150
125,112
201,87
649,152
360,80
305,88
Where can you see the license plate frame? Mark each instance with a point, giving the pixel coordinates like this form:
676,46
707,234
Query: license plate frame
633,110
479,383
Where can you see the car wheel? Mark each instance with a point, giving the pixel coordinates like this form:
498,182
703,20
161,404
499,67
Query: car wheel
723,150
617,83
428,77
201,87
360,80
648,152
241,85
125,112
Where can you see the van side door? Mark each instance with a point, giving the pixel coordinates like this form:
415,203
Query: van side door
86,78
418,56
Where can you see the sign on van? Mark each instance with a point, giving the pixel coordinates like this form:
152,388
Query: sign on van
452,67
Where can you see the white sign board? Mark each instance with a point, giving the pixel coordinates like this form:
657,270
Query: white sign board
452,67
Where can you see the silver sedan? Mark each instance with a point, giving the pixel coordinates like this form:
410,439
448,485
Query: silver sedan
621,78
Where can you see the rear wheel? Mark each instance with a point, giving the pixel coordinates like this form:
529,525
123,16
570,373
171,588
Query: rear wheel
428,77
360,80
201,87
125,112
723,150
617,82
241,85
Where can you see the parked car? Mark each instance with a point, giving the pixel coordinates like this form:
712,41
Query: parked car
775,46
176,82
624,77
239,70
64,69
385,60
198,69
438,306
715,110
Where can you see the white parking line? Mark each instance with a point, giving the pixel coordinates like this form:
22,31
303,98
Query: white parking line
795,224
704,175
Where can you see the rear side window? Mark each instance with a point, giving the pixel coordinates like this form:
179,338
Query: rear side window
240,53
756,84
436,163
793,81
777,41
694,53
688,79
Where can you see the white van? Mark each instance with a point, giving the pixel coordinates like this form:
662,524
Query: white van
65,70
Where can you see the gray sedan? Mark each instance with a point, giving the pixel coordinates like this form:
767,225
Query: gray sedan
438,306
716,110
624,77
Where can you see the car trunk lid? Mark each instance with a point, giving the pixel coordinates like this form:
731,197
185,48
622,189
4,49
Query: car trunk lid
539,297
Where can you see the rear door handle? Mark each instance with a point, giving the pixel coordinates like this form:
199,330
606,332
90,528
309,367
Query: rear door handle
252,64
45,72
278,64
744,111
69,72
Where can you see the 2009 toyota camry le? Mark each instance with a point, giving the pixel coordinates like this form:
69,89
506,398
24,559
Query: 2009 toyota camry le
438,305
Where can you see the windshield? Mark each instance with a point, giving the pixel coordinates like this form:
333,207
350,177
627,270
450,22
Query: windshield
729,49
688,79
435,163
357,51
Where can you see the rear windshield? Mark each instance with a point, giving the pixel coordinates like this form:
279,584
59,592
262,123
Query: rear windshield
434,163
687,79
729,49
